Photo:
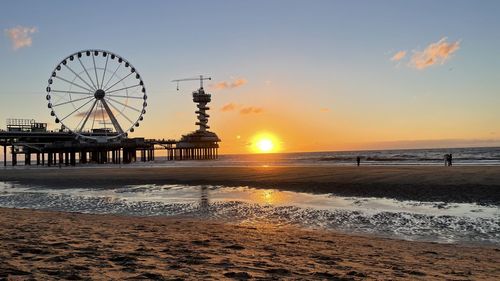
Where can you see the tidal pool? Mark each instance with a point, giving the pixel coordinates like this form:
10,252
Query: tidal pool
412,220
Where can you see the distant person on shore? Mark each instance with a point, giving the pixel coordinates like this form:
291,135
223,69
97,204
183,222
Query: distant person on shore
358,160
448,159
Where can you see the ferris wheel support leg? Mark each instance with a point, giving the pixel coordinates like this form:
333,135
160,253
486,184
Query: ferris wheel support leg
4,155
73,158
61,158
83,157
14,157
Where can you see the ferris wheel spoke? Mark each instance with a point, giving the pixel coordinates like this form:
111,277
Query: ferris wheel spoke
125,88
112,118
71,101
85,69
77,75
119,81
113,75
72,92
74,84
124,104
121,113
86,117
59,98
95,70
93,119
104,72
103,119
129,97
75,110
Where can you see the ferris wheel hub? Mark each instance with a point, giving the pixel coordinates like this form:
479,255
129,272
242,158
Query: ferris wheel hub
99,94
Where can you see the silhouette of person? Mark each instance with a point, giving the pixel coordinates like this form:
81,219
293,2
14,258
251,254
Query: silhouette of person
358,160
448,159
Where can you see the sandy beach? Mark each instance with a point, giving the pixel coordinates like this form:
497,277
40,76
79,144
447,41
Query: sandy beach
45,245
464,184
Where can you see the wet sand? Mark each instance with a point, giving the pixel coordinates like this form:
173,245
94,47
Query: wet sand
51,245
428,183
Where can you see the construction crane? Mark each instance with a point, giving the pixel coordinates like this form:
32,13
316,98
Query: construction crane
201,78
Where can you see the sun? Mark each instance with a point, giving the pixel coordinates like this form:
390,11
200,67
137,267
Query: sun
265,143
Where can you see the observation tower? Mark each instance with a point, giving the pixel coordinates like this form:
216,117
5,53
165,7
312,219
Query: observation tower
202,143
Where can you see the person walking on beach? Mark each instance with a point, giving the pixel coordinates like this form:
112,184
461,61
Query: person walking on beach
358,160
448,159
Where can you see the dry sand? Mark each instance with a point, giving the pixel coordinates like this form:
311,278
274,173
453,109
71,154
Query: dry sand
45,245
448,184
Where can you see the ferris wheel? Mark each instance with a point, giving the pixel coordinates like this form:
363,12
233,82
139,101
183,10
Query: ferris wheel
97,95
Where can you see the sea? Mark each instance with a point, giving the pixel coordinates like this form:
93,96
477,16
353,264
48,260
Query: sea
434,156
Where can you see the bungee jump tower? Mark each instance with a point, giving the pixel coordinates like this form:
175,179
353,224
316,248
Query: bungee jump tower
202,143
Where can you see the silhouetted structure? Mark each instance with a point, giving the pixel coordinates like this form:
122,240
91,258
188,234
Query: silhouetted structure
200,144
108,95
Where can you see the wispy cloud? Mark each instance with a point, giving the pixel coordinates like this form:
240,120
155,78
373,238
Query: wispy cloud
98,114
324,109
398,56
20,36
229,84
228,107
251,110
435,53
242,109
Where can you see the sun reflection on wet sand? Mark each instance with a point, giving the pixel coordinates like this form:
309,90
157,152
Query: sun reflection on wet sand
268,196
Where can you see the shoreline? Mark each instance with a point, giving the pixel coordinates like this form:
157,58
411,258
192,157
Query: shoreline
47,245
458,184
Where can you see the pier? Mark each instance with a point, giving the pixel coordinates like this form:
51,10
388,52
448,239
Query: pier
44,148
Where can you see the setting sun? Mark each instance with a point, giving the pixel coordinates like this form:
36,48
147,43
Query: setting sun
265,143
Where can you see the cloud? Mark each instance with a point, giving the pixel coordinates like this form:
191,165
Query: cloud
398,56
435,53
20,36
243,109
251,110
324,109
228,107
229,84
97,114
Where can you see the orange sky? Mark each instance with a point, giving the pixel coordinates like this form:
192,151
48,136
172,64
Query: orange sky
336,75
